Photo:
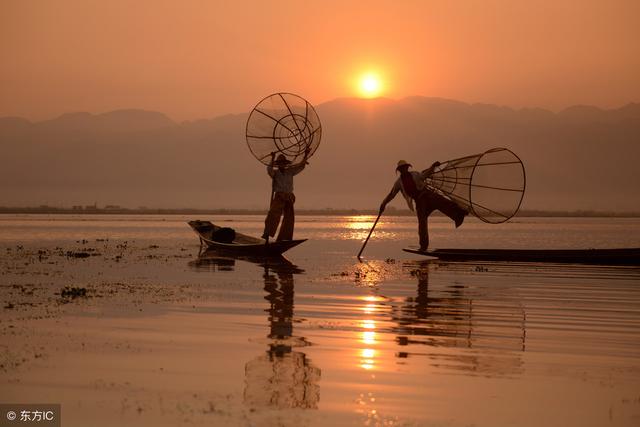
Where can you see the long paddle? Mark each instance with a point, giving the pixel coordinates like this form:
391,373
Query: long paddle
370,232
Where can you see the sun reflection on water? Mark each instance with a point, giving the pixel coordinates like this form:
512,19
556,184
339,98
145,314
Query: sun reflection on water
369,274
368,337
359,222
358,227
367,354
371,307
369,324
367,364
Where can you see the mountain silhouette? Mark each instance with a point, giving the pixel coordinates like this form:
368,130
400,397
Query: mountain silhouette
579,158
115,121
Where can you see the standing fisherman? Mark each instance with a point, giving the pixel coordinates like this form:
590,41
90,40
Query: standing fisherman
282,199
412,186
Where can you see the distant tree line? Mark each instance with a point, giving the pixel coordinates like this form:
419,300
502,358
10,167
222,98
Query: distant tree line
391,211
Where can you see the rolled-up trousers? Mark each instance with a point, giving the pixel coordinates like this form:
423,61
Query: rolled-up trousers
427,202
282,203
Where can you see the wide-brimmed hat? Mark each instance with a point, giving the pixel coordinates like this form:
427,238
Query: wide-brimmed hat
402,163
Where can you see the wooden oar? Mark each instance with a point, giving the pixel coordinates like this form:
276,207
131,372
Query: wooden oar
370,232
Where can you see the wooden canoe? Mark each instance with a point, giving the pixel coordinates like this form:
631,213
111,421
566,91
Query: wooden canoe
620,256
242,245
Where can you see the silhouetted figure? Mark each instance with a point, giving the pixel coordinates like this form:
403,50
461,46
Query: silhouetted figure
413,188
453,316
282,199
281,377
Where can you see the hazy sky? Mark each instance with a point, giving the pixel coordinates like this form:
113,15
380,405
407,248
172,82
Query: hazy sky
195,59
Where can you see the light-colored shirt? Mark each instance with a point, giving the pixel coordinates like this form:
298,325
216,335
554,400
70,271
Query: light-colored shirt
283,180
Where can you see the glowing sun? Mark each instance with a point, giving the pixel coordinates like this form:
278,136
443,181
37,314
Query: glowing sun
370,85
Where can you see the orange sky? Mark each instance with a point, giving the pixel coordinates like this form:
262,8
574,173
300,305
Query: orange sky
196,59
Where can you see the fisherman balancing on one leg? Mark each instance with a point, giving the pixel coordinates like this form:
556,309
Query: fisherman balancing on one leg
282,199
413,188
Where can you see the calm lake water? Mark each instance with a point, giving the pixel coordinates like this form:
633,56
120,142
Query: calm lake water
398,231
321,339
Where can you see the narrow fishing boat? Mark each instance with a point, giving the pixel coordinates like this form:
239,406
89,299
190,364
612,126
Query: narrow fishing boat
229,241
620,256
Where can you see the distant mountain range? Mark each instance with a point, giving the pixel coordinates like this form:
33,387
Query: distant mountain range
580,158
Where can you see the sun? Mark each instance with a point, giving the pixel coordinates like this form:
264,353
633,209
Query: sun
370,85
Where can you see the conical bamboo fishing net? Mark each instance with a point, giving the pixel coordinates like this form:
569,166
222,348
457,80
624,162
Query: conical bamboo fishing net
489,185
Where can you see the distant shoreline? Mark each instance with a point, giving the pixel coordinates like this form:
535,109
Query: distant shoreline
325,212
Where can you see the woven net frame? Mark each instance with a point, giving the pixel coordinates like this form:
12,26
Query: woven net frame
283,123
489,185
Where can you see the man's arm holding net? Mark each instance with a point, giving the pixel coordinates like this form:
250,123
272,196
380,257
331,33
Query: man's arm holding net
296,169
429,171
270,169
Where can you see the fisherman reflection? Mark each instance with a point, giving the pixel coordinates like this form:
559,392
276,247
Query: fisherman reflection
442,321
282,377
455,325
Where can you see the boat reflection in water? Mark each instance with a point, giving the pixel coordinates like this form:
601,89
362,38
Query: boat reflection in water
488,335
213,262
282,376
